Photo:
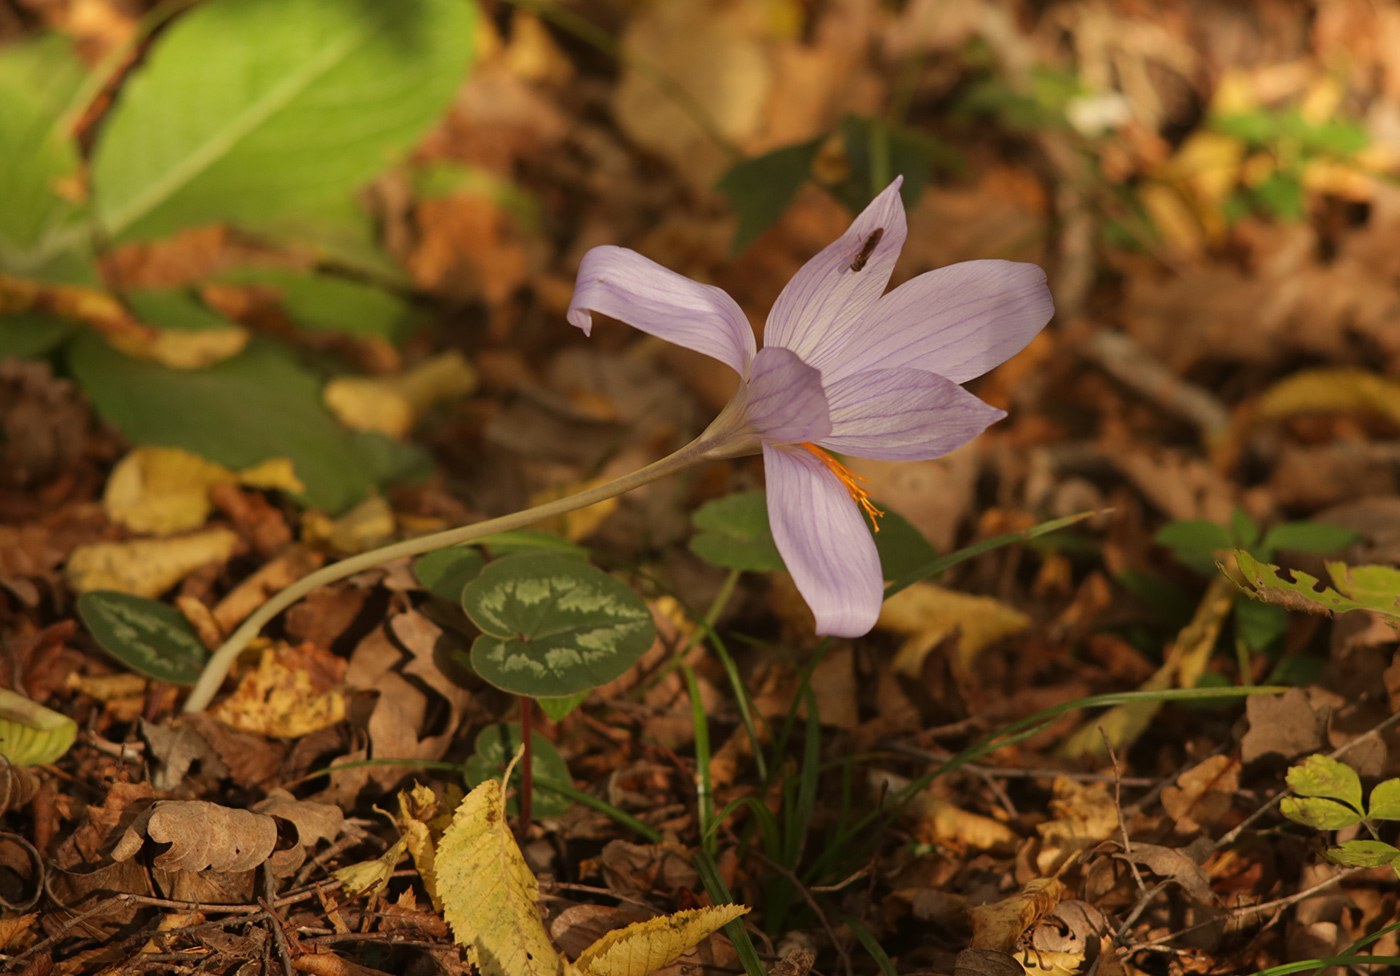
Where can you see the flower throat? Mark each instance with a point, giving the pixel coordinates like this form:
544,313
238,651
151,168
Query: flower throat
850,479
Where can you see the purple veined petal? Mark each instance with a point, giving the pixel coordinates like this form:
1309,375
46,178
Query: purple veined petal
786,402
621,283
825,542
902,415
958,322
831,292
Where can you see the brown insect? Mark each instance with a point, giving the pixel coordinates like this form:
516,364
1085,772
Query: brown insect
867,249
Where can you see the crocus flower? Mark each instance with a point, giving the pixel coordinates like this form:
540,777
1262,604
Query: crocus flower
844,369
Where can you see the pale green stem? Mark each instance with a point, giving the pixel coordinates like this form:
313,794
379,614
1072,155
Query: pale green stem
707,447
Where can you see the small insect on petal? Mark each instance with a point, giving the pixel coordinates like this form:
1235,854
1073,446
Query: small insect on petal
867,249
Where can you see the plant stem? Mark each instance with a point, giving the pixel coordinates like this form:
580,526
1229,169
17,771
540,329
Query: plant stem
709,446
527,764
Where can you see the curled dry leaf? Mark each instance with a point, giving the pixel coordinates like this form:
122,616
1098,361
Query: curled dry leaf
1202,796
1001,925
202,836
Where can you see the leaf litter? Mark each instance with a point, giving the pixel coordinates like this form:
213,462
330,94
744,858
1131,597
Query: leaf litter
1219,230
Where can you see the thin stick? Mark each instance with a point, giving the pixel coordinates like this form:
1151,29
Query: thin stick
527,764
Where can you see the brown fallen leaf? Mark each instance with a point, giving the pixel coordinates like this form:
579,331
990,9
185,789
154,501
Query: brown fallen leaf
1001,925
1174,864
1083,815
293,691
927,614
1203,795
202,836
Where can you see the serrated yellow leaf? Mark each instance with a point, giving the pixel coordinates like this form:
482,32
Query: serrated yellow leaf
644,947
488,893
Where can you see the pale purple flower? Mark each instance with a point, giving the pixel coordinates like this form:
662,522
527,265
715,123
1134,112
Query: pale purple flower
844,368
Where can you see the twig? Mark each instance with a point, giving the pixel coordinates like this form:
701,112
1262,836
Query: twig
806,894
1124,358
279,935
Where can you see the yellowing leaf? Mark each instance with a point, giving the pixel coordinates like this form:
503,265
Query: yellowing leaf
368,524
488,893
419,818
643,947
366,877
184,348
391,405
146,567
927,614
280,698
1001,924
30,734
164,490
1316,390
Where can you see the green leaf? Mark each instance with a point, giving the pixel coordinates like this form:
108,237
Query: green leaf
325,304
257,405
260,112
733,533
554,626
1194,542
530,540
1385,801
1243,528
761,188
1322,776
30,734
559,708
37,80
1259,624
1362,854
902,547
1320,814
497,744
30,336
877,153
1374,588
149,637
1307,537
445,573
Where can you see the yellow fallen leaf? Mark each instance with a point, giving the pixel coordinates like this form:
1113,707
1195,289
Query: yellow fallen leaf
1082,816
279,698
392,404
1046,962
105,687
184,348
643,947
164,490
926,614
1000,925
367,525
1318,390
488,893
420,819
146,567
370,877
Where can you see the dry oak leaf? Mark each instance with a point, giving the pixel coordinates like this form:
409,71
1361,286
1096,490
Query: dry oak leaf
643,947
488,894
203,836
1202,796
927,614
1001,925
1174,864
146,567
164,490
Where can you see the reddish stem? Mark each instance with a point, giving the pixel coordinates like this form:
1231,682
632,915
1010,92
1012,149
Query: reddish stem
527,763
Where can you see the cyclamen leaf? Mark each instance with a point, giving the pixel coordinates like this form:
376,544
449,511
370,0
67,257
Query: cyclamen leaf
149,637
445,573
488,893
260,112
496,744
643,947
554,626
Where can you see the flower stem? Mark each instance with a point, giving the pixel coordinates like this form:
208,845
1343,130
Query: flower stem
222,659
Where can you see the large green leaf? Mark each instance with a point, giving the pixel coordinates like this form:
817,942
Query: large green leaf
496,745
761,188
553,626
147,636
29,335
733,532
258,405
37,79
259,112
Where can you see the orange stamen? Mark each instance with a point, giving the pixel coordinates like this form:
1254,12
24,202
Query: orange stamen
849,479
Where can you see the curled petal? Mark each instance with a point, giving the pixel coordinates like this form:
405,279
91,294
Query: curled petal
831,292
621,283
825,542
903,415
958,322
786,402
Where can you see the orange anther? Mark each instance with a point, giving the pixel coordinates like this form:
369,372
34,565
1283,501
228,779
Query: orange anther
849,478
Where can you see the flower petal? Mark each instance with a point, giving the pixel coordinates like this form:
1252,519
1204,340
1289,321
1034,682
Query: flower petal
621,283
903,415
831,292
958,322
786,402
825,542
